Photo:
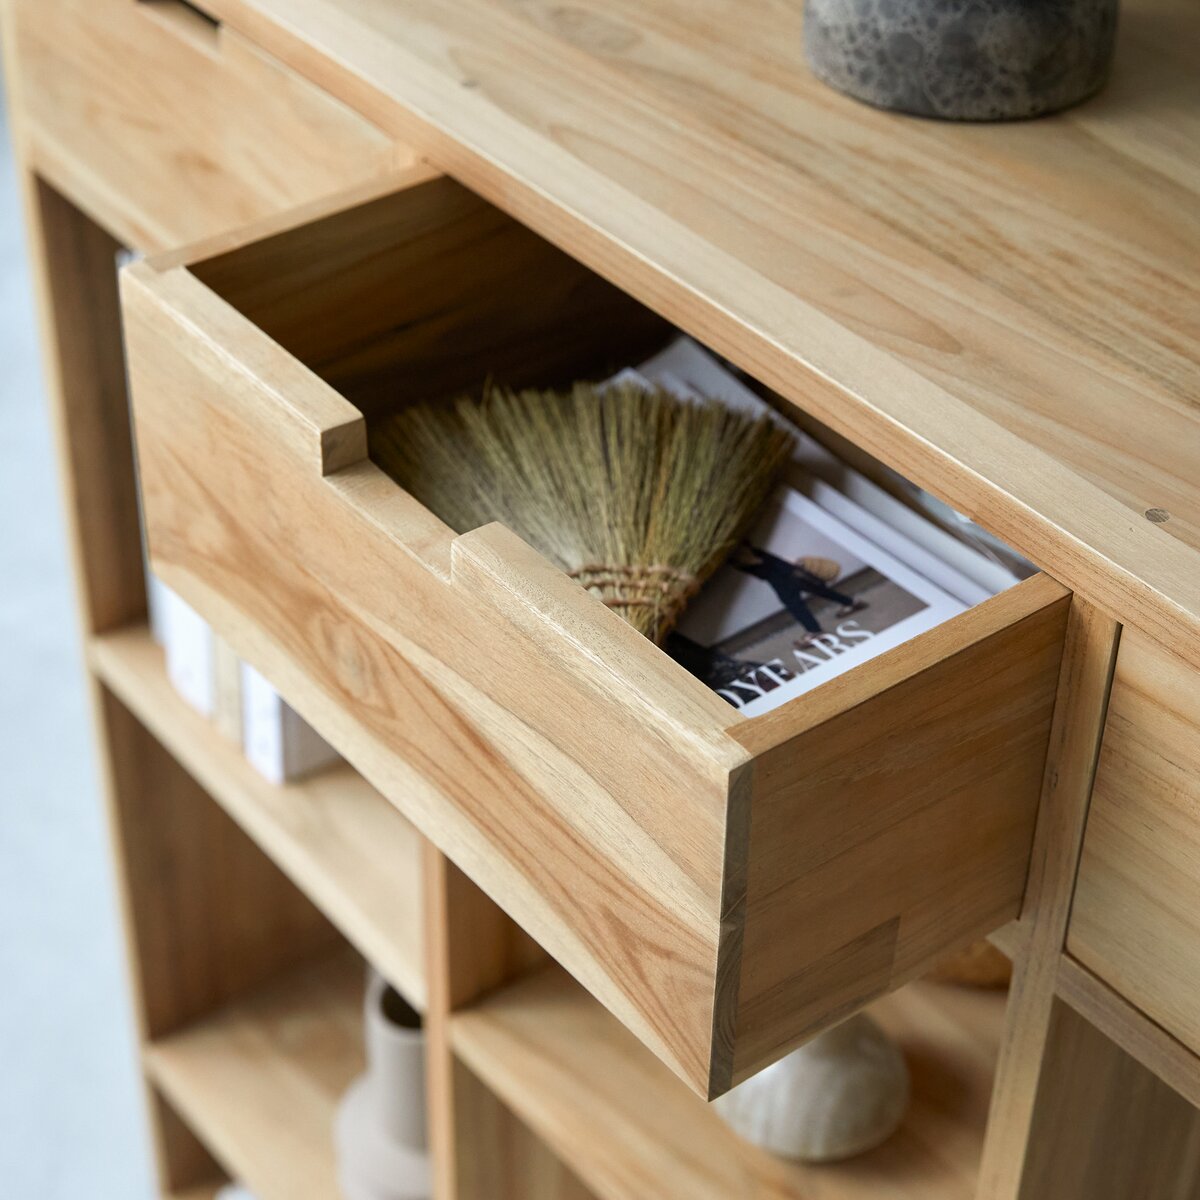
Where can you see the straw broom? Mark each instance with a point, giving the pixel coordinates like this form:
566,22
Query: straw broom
636,495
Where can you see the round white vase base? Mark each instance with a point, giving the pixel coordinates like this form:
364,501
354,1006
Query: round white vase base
843,1093
371,1165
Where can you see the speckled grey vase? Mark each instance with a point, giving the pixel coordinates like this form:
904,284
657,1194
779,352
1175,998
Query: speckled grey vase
965,60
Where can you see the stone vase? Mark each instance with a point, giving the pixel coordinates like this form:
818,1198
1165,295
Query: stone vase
380,1130
839,1095
963,60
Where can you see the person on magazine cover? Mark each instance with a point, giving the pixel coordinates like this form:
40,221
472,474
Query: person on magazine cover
792,582
708,663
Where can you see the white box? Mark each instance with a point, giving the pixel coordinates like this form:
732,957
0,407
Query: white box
188,642
278,742
158,604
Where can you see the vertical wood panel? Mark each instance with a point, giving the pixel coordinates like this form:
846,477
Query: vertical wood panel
1082,696
208,915
1135,922
472,947
74,265
184,1163
502,1158
1106,1128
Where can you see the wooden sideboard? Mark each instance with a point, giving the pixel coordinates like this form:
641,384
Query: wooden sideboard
611,897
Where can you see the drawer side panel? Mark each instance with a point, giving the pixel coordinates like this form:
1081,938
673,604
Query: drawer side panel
899,827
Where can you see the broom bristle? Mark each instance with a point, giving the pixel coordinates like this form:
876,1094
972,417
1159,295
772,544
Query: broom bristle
637,495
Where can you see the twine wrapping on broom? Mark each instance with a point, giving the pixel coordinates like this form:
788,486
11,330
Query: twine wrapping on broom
660,589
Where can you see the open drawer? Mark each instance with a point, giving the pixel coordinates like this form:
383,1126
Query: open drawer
725,886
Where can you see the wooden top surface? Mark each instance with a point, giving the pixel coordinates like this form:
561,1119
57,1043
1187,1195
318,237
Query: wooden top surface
1010,314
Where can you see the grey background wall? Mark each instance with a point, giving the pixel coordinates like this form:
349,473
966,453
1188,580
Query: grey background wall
70,1105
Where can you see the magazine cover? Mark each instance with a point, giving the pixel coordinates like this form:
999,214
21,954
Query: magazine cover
689,371
802,600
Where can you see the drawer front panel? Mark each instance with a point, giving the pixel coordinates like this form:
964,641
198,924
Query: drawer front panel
168,129
724,886
1136,916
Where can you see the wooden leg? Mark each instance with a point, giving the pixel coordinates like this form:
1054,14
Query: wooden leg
1086,674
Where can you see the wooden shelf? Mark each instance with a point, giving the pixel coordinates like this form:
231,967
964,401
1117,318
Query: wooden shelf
619,1118
259,1082
337,838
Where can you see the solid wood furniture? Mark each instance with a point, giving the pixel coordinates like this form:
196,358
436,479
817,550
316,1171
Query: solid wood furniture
350,203
716,845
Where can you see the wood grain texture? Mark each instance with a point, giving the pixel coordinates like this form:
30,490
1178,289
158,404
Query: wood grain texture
208,916
75,270
1151,1045
166,138
1036,944
186,1168
150,802
1004,313
506,1160
479,1151
1107,1129
399,263
484,693
203,1192
1134,922
892,815
336,837
631,1131
260,1080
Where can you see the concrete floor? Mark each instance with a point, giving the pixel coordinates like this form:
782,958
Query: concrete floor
71,1120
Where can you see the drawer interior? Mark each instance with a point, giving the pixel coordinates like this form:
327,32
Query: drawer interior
726,886
427,293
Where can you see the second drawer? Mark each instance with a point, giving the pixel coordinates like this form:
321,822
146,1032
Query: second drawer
1134,918
725,886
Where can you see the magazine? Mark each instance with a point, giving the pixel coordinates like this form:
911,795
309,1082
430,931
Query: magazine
689,371
805,598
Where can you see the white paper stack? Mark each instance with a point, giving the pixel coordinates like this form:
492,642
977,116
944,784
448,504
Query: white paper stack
954,563
233,1191
279,743
187,641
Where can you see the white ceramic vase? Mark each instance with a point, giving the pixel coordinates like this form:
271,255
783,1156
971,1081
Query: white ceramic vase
840,1094
380,1129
